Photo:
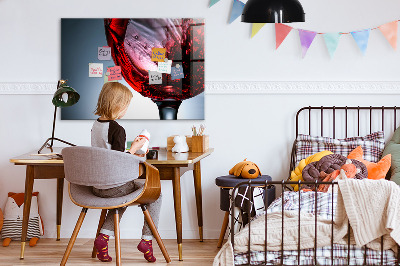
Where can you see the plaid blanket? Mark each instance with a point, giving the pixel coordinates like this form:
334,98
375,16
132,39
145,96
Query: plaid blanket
324,257
323,205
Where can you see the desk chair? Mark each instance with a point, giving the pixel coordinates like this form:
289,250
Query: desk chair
85,167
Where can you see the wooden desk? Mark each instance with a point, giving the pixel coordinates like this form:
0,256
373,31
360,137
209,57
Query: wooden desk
169,165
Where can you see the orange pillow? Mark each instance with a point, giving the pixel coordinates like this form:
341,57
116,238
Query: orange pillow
375,170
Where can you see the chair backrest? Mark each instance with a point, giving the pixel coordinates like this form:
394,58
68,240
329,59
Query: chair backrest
92,166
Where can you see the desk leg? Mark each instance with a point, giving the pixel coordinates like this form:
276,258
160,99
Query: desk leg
176,182
199,204
60,190
27,206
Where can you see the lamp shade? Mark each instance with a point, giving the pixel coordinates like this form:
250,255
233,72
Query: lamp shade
65,96
273,11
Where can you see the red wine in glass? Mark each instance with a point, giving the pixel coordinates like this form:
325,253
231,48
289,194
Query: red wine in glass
131,42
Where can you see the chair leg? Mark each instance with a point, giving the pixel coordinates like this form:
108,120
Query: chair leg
117,239
101,222
154,230
73,237
223,229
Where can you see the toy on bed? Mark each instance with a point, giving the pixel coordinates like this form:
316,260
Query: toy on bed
327,165
245,169
348,170
13,215
296,174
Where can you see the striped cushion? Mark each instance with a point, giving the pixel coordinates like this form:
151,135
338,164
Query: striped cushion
372,145
13,228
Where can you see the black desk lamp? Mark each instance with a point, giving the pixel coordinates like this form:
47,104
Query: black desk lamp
64,96
273,11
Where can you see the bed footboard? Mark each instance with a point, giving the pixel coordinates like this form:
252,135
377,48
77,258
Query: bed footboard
312,259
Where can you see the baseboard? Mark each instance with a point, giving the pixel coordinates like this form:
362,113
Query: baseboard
248,87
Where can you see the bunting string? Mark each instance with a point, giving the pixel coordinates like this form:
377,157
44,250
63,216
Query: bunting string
361,37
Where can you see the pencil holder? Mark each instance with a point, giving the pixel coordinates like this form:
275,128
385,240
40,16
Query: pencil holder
200,143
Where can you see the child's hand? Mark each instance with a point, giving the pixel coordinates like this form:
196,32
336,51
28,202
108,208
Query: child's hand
143,155
137,144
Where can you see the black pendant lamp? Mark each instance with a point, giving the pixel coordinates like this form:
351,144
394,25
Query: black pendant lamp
273,11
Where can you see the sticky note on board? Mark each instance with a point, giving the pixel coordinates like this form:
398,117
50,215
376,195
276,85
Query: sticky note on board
104,53
95,70
158,54
106,74
165,67
155,77
115,73
177,72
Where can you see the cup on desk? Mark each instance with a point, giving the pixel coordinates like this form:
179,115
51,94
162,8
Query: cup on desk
152,155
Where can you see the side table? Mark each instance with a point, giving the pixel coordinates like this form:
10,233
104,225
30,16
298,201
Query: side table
226,183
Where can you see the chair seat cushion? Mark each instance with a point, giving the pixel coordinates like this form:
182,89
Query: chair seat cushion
83,195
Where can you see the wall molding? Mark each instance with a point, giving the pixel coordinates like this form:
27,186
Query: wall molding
303,87
250,87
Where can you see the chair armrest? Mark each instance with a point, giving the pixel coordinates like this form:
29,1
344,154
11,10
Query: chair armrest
152,187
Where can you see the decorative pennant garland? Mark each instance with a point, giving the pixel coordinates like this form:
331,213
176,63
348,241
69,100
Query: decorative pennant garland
306,39
361,37
237,8
332,41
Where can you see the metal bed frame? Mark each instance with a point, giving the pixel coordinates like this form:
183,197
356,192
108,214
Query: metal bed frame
284,184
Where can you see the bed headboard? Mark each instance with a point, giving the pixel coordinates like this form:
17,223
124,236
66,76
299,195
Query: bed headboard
344,121
345,117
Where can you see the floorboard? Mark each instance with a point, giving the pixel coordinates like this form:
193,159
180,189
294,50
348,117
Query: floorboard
50,252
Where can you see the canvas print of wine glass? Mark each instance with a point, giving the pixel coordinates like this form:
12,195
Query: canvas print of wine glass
132,42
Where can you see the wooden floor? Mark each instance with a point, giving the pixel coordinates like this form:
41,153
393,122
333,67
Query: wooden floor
50,252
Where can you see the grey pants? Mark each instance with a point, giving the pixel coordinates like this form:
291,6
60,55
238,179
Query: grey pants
154,208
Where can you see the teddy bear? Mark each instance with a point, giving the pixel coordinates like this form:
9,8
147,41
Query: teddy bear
13,215
180,144
245,169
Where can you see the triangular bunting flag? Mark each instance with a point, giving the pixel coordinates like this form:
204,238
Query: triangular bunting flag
281,31
306,39
256,28
389,30
332,41
361,37
237,9
213,2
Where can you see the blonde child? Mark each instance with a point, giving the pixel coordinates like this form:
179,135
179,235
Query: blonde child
106,133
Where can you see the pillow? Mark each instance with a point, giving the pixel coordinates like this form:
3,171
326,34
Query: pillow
296,174
372,144
375,170
393,148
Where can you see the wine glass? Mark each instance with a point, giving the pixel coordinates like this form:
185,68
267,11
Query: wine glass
131,42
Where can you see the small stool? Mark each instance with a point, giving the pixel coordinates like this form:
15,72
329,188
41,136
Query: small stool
226,183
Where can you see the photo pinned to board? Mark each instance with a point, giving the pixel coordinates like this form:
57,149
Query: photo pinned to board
158,54
155,77
104,53
115,73
177,72
165,67
95,70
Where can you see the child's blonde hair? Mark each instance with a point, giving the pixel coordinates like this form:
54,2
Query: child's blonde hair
113,99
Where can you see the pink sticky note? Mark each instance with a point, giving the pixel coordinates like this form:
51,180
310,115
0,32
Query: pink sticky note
115,73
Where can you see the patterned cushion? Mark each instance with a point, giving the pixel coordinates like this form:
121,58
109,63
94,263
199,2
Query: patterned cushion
372,144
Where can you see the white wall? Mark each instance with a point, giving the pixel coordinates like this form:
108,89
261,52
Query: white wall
257,126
